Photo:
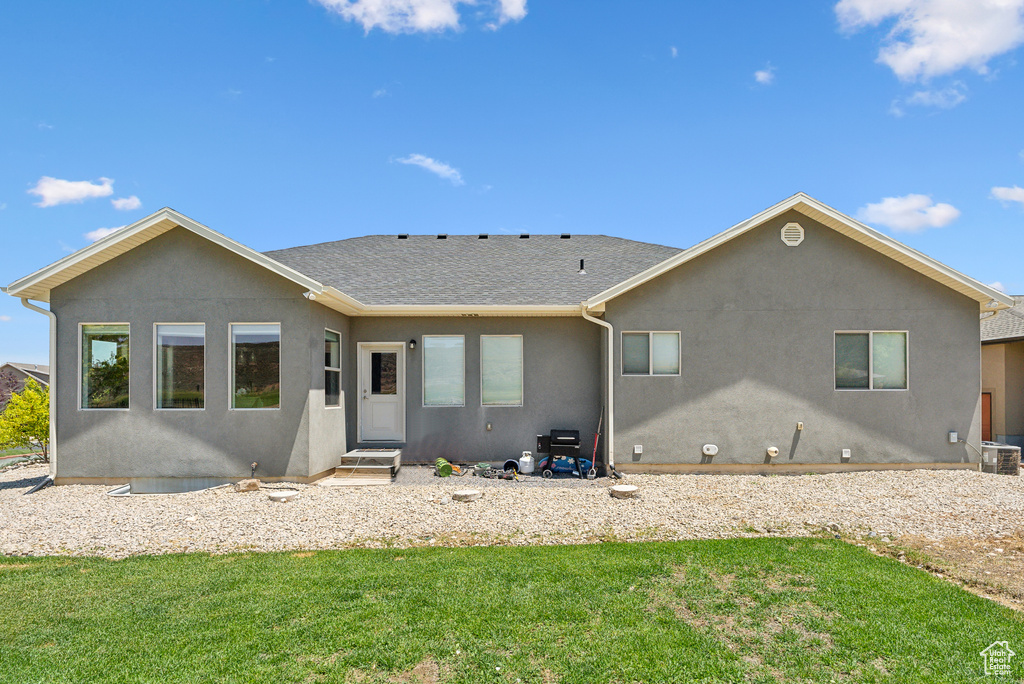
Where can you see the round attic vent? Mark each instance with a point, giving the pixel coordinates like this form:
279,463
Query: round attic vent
792,234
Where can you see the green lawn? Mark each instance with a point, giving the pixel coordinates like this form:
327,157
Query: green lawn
754,610
17,451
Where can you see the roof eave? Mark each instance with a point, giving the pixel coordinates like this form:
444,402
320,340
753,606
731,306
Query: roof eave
988,298
38,284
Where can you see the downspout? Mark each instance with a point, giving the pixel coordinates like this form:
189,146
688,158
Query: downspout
610,430
53,382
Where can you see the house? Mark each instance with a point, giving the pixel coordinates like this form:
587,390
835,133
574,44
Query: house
1002,375
797,340
17,374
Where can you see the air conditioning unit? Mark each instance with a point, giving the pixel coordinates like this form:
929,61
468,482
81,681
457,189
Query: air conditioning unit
1002,459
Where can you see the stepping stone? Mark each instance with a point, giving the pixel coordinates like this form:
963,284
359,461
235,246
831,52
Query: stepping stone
467,495
283,495
623,491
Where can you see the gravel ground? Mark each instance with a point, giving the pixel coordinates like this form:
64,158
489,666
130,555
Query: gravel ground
83,520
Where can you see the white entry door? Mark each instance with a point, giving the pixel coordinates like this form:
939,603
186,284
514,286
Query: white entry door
382,392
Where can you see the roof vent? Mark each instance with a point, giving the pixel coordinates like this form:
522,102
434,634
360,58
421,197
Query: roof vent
565,236
403,236
524,236
582,270
442,236
481,236
792,234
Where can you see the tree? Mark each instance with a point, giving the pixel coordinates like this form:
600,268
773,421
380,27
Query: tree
9,384
26,420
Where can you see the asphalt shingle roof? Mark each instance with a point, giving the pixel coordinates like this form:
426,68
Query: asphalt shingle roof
464,269
1007,324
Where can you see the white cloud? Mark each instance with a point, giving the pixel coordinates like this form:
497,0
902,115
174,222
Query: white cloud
94,235
997,286
910,213
380,92
934,37
420,16
765,76
675,51
126,203
54,191
3,205
1014,194
433,166
5,319
943,98
947,98
511,10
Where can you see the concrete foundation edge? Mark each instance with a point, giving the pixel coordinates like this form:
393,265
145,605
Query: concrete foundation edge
310,479
781,469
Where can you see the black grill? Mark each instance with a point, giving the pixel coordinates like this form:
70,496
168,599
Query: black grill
560,443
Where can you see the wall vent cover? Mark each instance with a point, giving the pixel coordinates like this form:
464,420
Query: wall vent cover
792,234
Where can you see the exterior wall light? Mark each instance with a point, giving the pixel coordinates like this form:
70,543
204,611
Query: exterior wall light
412,343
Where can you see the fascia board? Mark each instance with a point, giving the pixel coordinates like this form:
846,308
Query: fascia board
166,214
985,292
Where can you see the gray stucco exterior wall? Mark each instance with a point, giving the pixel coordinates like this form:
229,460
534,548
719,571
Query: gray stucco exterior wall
562,386
757,321
180,277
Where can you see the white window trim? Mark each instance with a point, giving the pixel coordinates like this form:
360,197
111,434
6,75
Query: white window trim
231,365
423,376
650,354
871,360
522,374
156,367
341,392
81,385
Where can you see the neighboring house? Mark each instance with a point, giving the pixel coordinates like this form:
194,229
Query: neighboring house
182,353
1002,375
20,373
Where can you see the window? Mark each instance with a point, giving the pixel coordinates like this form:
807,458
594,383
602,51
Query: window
105,366
444,370
501,370
650,353
874,360
180,366
255,366
332,368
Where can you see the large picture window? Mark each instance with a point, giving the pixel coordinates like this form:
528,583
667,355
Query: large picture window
871,360
180,366
332,368
105,366
650,353
444,370
501,370
255,366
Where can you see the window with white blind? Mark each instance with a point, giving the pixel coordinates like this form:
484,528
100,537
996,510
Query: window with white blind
444,370
650,353
871,360
501,370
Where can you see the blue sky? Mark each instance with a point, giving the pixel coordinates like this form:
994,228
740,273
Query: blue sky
285,123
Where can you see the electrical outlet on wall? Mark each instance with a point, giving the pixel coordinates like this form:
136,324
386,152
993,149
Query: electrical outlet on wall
638,449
